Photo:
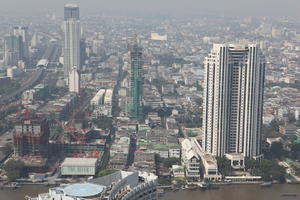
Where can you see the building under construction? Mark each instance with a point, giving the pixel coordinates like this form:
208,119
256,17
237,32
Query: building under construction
136,81
31,135
75,140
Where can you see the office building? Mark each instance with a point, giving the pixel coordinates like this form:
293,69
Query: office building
13,46
233,100
74,80
72,30
71,11
136,81
22,31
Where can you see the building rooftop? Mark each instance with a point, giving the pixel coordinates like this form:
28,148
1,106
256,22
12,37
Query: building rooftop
79,161
71,5
83,190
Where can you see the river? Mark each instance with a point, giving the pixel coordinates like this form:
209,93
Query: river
20,193
226,192
237,192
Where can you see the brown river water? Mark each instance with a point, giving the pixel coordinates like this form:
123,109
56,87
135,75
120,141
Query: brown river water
238,192
227,192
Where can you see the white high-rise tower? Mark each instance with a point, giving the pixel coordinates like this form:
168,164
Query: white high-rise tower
72,30
74,80
233,100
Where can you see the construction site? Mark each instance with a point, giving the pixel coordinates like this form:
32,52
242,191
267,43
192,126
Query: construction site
47,135
30,139
31,135
136,81
73,140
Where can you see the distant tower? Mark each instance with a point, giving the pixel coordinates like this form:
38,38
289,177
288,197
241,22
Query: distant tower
74,81
34,40
233,100
22,31
13,48
72,30
71,11
136,81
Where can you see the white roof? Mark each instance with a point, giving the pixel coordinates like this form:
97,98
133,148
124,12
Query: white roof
71,5
79,161
186,144
191,154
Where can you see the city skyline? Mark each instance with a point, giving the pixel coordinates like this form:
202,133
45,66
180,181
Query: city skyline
168,7
123,99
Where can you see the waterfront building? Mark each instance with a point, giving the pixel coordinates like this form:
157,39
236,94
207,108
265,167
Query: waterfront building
178,171
136,82
121,185
233,100
72,37
191,160
79,166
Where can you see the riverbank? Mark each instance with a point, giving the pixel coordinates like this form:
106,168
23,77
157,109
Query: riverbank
21,192
224,192
237,192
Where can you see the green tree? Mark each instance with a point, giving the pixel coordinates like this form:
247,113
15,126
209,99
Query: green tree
271,131
103,123
15,169
267,169
164,181
224,166
295,151
276,150
168,162
105,172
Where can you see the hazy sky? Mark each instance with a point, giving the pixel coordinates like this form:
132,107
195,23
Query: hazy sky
222,7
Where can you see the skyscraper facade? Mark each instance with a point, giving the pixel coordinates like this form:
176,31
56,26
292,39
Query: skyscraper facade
13,47
72,30
136,81
22,31
71,11
233,100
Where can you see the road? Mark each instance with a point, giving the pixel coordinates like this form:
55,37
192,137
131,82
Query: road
6,138
26,85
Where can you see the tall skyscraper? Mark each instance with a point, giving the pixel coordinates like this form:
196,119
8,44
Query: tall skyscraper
233,100
71,11
22,31
74,80
136,81
72,30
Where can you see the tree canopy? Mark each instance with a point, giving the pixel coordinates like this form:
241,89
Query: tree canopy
267,169
15,169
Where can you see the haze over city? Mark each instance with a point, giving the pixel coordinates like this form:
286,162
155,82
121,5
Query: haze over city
165,7
155,100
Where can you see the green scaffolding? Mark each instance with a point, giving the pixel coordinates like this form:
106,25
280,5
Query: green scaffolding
136,82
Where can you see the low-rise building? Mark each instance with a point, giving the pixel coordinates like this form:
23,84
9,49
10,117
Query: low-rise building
79,166
191,160
178,171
